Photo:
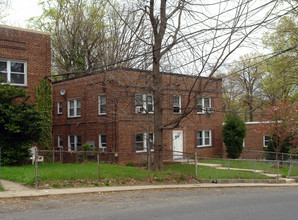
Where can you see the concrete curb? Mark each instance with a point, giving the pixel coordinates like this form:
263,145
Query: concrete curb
87,190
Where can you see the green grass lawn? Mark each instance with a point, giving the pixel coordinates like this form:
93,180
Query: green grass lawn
1,188
58,172
268,167
212,173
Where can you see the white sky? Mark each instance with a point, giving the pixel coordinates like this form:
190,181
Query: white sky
20,11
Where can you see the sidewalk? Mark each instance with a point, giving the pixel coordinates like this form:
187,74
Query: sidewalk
15,190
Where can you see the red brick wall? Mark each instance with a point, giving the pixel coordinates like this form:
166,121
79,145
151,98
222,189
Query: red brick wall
253,144
121,122
30,46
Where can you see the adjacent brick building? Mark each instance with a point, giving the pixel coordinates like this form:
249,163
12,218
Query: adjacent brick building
112,111
25,57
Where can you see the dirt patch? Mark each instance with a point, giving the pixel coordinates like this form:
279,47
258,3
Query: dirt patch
275,167
115,182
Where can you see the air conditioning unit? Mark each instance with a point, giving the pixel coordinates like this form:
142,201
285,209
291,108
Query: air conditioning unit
139,109
209,111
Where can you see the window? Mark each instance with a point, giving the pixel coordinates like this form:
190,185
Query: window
59,107
204,138
203,105
74,142
14,72
144,103
102,142
266,140
60,142
141,143
74,108
177,104
102,105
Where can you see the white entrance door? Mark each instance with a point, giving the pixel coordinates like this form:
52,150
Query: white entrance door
177,145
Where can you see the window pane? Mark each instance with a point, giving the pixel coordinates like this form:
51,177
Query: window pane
71,104
200,138
207,138
17,78
103,139
151,140
3,66
199,106
176,100
17,67
139,100
4,77
139,142
78,107
102,102
206,102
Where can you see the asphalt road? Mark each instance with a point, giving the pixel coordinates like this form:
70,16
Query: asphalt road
213,204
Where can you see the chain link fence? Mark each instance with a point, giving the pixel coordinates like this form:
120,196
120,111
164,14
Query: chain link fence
88,165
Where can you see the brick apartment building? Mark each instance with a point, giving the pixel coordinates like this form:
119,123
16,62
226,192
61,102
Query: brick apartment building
25,57
113,110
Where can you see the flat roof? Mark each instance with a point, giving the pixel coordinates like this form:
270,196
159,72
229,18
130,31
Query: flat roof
23,29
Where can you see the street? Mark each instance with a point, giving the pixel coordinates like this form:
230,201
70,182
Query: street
222,204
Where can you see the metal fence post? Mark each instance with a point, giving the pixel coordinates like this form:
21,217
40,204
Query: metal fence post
229,167
255,165
187,166
196,164
36,157
98,166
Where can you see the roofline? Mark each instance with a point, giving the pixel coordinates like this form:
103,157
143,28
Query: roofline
127,69
25,30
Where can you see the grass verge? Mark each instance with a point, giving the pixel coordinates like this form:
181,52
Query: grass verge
268,167
212,173
69,175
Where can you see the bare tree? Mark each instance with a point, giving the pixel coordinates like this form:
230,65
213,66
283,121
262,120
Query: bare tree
187,29
4,5
87,35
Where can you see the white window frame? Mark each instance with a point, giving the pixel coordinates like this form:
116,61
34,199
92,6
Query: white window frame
141,108
76,143
100,103
145,141
102,146
175,104
9,72
60,139
75,107
204,107
265,141
204,138
59,106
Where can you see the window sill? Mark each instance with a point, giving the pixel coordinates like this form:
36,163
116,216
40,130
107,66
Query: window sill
203,146
143,151
70,117
100,114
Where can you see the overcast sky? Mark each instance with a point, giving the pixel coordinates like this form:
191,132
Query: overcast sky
20,11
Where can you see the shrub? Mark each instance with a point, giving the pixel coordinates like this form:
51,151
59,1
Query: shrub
234,131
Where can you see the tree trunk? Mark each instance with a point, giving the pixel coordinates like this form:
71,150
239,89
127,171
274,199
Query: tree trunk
157,90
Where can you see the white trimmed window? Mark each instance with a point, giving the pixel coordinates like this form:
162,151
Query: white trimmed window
74,108
144,103
177,104
102,138
204,104
74,142
266,140
102,105
59,108
141,143
14,72
204,138
60,142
